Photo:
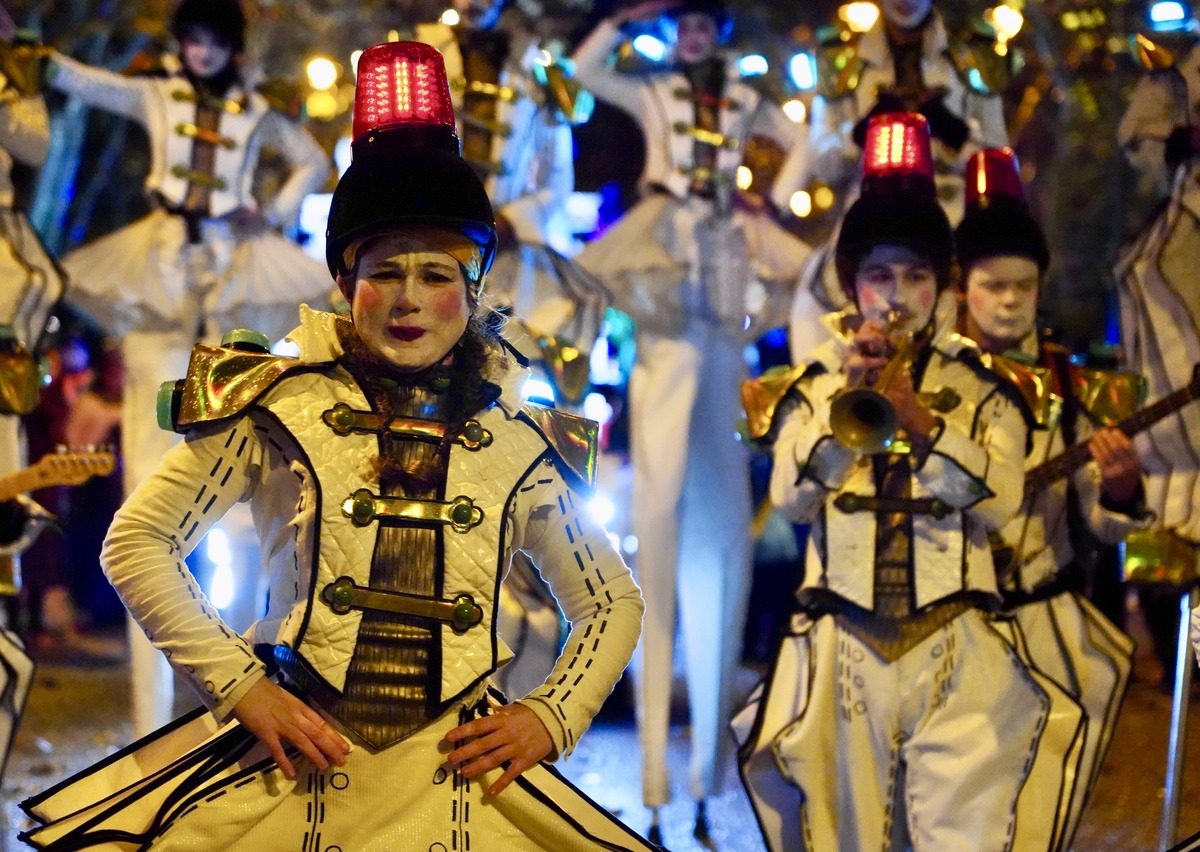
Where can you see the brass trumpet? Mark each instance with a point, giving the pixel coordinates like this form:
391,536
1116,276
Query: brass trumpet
862,418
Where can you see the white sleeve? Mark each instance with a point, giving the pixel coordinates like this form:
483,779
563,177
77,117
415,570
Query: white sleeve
550,185
99,88
983,472
25,130
593,70
596,593
309,166
1153,112
159,524
809,461
832,152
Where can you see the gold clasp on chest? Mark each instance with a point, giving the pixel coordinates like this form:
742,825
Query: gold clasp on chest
202,178
491,90
343,420
203,134
460,514
707,137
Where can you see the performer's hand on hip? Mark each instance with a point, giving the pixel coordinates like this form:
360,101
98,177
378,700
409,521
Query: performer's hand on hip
511,735
276,716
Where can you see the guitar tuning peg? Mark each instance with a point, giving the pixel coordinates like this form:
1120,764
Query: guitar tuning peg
91,448
60,448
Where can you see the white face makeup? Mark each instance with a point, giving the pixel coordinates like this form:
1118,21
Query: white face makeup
906,14
1002,296
696,37
410,302
893,278
204,53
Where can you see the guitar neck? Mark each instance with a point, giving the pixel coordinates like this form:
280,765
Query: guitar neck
22,482
1078,455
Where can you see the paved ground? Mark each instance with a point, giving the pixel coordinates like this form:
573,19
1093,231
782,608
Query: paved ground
79,711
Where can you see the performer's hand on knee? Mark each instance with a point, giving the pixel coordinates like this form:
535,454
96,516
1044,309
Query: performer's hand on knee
512,735
276,716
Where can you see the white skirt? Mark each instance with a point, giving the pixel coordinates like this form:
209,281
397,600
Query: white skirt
225,792
147,276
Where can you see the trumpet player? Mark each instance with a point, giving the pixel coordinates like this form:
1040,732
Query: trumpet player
1002,255
896,716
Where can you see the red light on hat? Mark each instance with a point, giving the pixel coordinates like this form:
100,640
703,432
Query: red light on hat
993,173
401,84
898,144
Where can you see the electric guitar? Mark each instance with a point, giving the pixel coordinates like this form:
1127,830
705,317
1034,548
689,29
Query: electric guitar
1039,477
56,469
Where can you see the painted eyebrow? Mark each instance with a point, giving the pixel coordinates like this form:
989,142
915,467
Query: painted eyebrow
393,266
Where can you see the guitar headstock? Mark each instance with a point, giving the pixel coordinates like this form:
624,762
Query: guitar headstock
70,468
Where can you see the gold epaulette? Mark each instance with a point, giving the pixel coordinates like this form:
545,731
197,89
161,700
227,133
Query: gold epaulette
761,397
839,66
571,101
20,382
575,440
221,382
1159,55
1108,396
22,68
980,68
1034,382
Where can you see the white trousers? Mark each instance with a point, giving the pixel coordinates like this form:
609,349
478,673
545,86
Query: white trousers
691,517
932,751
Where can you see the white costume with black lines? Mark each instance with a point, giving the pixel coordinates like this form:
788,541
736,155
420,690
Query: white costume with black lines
282,456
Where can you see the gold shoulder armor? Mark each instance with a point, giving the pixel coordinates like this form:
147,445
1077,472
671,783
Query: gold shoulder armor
1033,382
570,100
20,381
980,68
839,67
22,68
1158,55
1108,396
761,397
221,382
574,439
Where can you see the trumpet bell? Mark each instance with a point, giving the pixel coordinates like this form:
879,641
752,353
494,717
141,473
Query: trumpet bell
863,420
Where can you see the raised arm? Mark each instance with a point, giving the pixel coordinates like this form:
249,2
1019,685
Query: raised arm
309,166
99,88
594,69
25,129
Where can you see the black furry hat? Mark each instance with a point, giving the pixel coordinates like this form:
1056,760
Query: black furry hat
898,205
713,8
224,17
998,220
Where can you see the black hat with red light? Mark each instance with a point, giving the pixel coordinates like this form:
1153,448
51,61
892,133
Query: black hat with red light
898,204
998,221
406,167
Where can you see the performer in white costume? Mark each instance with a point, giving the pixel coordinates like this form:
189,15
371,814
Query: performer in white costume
515,110
896,715
30,285
208,257
680,263
394,471
906,61
1002,255
1158,289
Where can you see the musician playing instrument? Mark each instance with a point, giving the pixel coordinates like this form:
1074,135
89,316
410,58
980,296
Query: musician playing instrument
896,711
1002,254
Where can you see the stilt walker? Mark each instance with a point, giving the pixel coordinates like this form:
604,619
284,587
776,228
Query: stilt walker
906,60
395,469
1002,256
680,263
208,257
515,108
913,722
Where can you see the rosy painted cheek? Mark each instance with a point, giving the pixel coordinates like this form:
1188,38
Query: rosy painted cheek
367,297
449,304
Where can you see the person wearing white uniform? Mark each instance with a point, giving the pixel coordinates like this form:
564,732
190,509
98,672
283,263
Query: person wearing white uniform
680,263
394,471
516,131
1002,255
30,285
906,60
895,715
208,257
1160,310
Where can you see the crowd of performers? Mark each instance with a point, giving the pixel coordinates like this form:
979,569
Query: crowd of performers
443,615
